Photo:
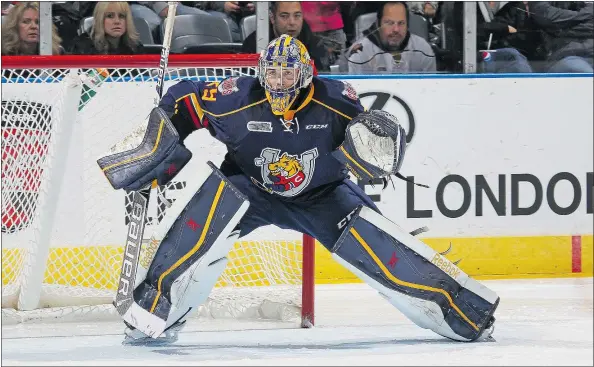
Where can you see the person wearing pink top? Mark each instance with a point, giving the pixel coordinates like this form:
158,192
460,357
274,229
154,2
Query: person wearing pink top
325,20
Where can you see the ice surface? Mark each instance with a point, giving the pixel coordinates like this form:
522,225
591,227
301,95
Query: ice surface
539,322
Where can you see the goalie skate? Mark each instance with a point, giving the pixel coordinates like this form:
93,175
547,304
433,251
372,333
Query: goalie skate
134,336
487,334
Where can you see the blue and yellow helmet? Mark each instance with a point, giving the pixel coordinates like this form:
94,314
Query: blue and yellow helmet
284,68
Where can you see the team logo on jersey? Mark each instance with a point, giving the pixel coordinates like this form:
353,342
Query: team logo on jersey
228,86
349,91
285,174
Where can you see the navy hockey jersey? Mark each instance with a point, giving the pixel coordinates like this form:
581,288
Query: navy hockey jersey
287,155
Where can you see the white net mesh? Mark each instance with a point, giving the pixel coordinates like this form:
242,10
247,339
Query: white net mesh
264,275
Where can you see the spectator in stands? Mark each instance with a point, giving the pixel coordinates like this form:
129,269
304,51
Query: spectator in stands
568,27
286,17
514,27
68,17
426,8
357,9
231,11
155,11
113,32
388,46
5,7
20,31
496,29
325,21
505,32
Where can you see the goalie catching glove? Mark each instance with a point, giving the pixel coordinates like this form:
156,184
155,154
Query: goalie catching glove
373,146
159,156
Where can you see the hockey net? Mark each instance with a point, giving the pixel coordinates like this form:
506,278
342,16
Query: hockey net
64,227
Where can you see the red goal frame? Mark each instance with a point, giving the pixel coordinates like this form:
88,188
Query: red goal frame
152,61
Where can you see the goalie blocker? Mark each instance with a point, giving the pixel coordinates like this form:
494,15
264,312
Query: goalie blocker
159,156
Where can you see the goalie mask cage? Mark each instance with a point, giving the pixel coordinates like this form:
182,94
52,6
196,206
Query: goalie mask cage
64,227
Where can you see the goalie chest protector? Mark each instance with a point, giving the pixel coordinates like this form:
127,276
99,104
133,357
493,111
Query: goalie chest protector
287,156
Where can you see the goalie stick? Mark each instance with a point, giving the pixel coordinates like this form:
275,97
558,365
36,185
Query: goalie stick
124,297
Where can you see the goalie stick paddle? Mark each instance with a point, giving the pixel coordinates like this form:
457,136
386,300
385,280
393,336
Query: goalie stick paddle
124,296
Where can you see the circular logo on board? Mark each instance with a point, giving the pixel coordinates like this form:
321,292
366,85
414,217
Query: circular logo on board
393,104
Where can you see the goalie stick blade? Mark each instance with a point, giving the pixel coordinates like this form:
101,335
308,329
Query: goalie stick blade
124,296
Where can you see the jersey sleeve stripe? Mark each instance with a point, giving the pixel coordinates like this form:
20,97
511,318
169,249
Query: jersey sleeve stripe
194,102
192,113
235,111
197,106
332,109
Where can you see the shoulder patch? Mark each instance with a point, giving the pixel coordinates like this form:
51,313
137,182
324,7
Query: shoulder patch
349,91
228,86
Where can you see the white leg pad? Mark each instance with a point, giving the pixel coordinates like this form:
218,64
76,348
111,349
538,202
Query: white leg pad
425,314
177,275
425,286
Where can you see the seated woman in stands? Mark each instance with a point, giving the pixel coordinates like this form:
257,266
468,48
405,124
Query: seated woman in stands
20,31
113,32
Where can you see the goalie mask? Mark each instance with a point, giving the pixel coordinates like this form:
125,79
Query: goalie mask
373,146
284,68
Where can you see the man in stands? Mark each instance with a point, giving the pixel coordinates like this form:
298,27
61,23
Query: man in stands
286,17
568,28
389,47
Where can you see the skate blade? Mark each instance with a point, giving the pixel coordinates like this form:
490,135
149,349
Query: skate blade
169,336
135,337
487,335
149,342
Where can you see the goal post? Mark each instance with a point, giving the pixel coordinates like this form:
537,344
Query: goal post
64,227
49,180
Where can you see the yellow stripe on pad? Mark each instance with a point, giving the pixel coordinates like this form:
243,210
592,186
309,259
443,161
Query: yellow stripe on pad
355,162
408,284
161,124
195,248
